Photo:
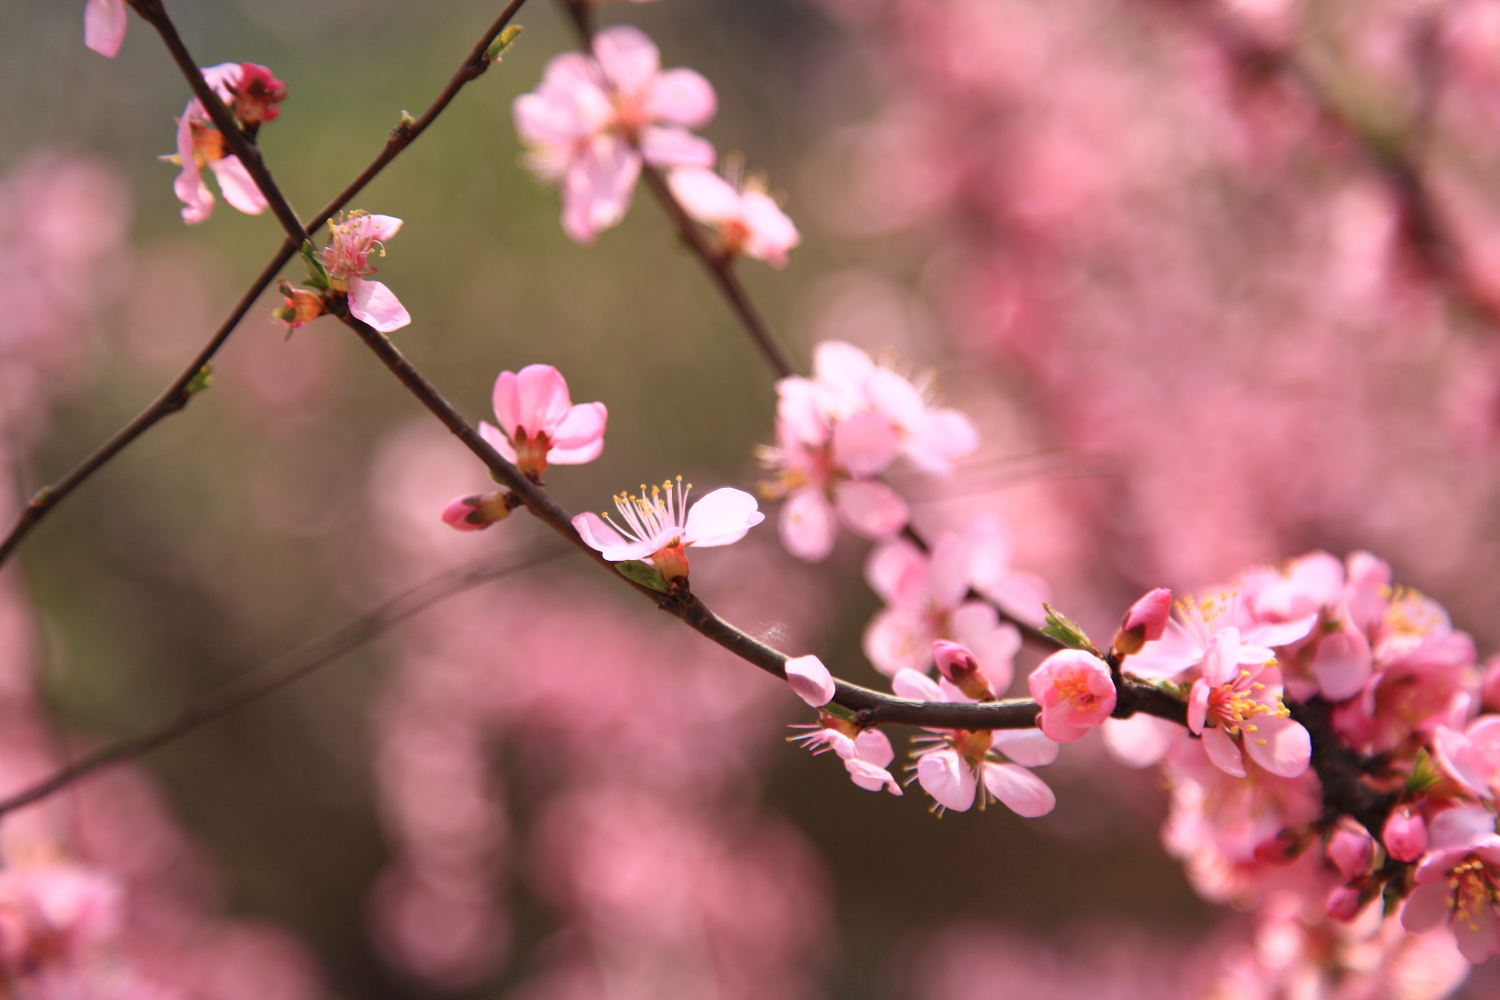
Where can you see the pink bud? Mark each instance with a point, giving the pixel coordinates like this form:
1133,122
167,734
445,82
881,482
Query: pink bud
1405,835
478,511
810,680
1344,903
1144,622
1351,851
956,663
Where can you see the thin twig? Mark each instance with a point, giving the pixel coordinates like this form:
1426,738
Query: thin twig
279,673
176,395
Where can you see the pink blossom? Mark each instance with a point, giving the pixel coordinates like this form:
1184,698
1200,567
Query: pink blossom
1144,622
1230,705
1187,635
594,119
477,511
958,762
1351,849
1075,692
1471,757
810,680
663,527
1459,882
347,259
926,600
104,26
539,424
1405,835
866,754
748,220
200,144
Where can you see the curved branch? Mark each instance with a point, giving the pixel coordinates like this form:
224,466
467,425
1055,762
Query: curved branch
175,396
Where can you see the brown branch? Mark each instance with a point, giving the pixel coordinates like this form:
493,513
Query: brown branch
176,394
279,673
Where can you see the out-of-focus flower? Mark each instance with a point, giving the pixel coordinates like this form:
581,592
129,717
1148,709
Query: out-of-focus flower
1459,882
347,260
539,424
1075,692
958,762
748,219
594,119
810,680
257,96
104,26
1351,849
927,598
1229,704
1144,622
663,527
1471,757
200,144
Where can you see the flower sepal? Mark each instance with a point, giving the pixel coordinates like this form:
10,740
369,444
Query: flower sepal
1068,632
644,574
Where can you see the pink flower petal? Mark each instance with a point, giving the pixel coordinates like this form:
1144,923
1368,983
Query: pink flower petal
810,680
871,509
1027,747
1281,746
682,97
807,525
916,685
1021,791
1343,664
871,777
897,571
376,305
948,572
597,187
704,195
537,396
721,518
381,227
675,147
865,444
1141,740
898,638
947,779
104,26
844,367
874,746
238,186
772,232
1223,751
1426,907
1478,937
629,59
497,440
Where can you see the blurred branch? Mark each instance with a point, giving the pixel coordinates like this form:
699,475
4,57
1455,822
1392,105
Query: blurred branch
282,671
181,389
1424,228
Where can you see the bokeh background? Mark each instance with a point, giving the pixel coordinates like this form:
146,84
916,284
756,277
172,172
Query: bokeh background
1175,280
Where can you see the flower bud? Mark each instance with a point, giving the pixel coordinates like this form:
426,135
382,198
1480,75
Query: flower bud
810,680
256,96
1345,902
297,307
957,664
477,511
1405,835
1144,622
1351,851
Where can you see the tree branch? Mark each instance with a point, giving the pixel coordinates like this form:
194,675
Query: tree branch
279,673
176,394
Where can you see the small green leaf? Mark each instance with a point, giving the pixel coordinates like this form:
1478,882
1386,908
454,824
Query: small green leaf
503,42
1066,631
201,381
837,711
317,274
644,574
1423,774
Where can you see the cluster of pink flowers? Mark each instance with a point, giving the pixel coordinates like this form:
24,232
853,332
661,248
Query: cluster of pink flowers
839,430
252,94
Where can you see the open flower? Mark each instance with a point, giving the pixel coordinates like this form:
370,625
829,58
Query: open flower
104,26
958,762
539,423
748,220
1075,692
1458,882
594,119
200,144
866,753
1230,705
662,528
347,260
